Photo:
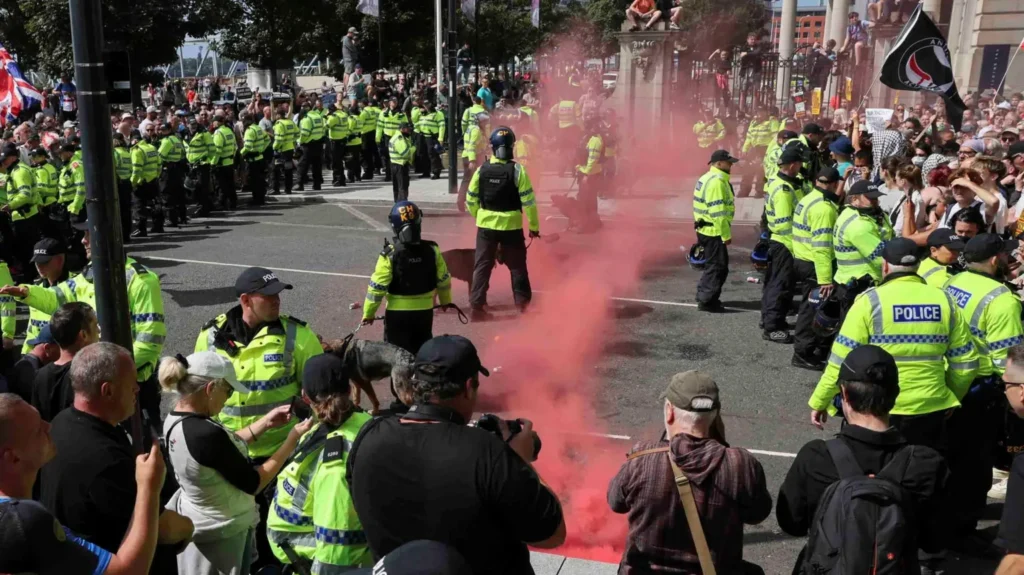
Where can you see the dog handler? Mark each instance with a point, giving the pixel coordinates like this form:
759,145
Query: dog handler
408,273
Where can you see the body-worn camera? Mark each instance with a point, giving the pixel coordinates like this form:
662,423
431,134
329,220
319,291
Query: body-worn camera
490,422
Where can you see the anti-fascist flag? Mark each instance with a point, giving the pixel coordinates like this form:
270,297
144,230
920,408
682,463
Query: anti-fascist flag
919,60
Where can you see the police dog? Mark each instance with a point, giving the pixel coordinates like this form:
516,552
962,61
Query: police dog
369,361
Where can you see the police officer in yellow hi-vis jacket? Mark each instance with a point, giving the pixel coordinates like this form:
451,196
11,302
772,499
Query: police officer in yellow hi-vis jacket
498,195
408,274
992,312
921,327
782,193
713,210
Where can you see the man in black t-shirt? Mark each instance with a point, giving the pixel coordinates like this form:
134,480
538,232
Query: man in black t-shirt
1011,526
44,352
73,327
428,475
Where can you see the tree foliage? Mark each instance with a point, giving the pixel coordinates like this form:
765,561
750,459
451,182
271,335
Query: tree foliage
712,24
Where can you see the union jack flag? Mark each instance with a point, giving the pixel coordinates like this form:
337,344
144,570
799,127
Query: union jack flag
16,93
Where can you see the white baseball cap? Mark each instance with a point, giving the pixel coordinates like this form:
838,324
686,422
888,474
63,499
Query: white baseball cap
152,110
214,366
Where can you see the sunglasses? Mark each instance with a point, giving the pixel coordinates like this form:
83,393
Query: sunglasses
967,153
1008,138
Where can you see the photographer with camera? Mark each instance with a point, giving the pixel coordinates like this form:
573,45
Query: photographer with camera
429,475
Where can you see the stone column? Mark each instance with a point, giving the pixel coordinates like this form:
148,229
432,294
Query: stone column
787,27
839,21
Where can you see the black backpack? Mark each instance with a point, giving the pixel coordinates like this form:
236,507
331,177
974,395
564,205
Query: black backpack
864,523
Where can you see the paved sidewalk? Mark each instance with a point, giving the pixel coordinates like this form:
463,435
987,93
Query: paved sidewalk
660,199
551,564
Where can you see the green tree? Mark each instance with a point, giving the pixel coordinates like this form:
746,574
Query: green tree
712,24
504,30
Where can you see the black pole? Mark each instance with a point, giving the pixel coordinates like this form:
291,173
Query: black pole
476,39
453,105
101,201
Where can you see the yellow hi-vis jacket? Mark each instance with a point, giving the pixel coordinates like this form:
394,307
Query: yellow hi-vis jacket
714,204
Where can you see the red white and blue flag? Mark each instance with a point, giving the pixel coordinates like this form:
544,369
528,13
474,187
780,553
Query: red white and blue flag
16,93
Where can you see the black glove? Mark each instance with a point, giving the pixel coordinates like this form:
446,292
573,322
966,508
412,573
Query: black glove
534,234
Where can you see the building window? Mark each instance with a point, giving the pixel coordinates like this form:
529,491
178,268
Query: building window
805,34
817,34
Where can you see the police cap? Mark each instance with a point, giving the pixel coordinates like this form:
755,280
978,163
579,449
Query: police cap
261,281
45,250
945,237
984,246
828,175
900,252
865,188
722,156
790,155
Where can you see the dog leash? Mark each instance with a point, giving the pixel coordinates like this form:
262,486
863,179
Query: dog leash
462,315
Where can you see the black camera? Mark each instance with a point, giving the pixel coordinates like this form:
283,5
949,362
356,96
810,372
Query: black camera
491,422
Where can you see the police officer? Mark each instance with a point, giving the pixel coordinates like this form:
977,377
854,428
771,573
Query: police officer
310,133
254,144
387,127
992,312
354,144
710,130
286,134
368,118
402,152
200,158
860,232
172,158
432,129
783,193
123,172
71,192
145,188
408,273
589,174
944,247
498,193
46,177
308,500
339,132
225,145
713,210
814,219
49,255
145,307
269,351
473,153
22,205
919,326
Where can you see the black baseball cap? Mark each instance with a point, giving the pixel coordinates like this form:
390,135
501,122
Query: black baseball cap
45,249
420,557
828,175
790,155
324,375
261,281
945,237
448,358
984,246
80,222
870,364
901,252
812,128
865,188
788,135
9,150
722,156
1015,149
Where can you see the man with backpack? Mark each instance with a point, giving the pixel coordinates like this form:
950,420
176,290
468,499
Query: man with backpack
861,487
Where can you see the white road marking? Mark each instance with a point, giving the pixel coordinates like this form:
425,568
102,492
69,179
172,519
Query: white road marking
373,223
772,453
344,228
229,265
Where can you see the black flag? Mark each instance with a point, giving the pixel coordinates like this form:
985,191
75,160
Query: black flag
919,60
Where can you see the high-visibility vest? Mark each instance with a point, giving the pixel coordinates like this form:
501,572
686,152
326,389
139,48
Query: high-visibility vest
858,241
286,134
401,149
226,145
714,203
123,163
37,319
992,313
814,220
290,518
781,199
145,163
709,132
200,148
46,183
254,141
338,126
22,195
933,273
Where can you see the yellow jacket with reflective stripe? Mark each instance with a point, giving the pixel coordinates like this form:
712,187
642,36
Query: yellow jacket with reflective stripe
709,132
992,313
933,273
338,126
145,163
432,124
387,123
71,186
290,519
8,313
286,133
467,116
566,111
171,150
714,203
37,319
760,134
492,220
381,280
317,118
200,148
254,141
858,241
781,199
225,144
270,366
595,147
123,163
919,325
368,120
474,145
46,183
814,220
401,149
22,195
340,539
145,304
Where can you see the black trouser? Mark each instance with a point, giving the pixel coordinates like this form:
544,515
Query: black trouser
173,192
203,194
777,296
806,343
311,160
257,181
716,269
422,156
972,433
586,200
124,200
338,149
283,164
433,155
513,252
326,154
26,234
928,429
50,222
353,152
408,329
400,181
146,204
228,198
371,156
385,156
